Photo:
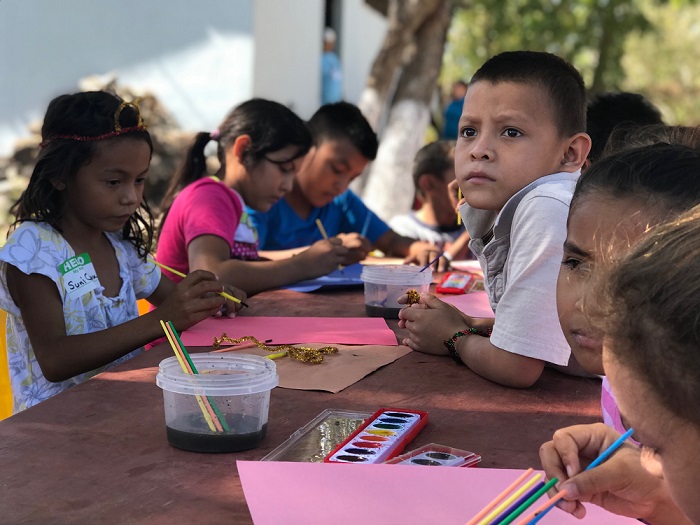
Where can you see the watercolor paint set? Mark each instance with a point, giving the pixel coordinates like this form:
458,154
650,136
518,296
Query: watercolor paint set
384,435
434,455
315,440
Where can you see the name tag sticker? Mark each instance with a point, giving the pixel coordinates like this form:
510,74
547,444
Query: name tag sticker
79,276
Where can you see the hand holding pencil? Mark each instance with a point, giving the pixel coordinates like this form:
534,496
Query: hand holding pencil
620,484
192,300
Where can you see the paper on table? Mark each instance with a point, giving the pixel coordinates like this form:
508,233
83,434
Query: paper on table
292,330
348,276
318,493
475,304
337,371
467,266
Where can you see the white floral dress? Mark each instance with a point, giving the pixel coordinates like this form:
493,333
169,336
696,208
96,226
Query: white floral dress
38,248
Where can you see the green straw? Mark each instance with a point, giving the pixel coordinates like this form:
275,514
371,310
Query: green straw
522,508
214,407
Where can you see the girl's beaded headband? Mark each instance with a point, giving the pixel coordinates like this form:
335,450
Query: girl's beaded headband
118,129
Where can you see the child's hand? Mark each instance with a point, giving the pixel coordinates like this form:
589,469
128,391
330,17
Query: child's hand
423,252
429,323
193,299
322,257
231,307
620,485
357,245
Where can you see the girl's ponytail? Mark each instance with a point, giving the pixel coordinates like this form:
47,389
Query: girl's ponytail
192,168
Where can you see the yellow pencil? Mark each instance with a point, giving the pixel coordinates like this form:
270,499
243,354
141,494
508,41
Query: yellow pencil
180,274
325,237
459,198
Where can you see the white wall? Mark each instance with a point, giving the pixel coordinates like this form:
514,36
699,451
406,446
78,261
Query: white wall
195,56
362,33
288,47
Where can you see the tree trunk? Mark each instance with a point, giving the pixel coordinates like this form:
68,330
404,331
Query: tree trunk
389,188
404,17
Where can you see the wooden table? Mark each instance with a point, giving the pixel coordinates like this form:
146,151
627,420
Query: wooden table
98,453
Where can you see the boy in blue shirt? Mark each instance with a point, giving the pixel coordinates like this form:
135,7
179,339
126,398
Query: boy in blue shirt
344,144
519,153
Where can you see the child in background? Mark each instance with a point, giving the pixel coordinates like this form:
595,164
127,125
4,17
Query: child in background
647,313
261,145
435,221
76,260
616,201
518,157
616,110
343,145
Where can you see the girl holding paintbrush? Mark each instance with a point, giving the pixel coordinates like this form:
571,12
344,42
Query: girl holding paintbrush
76,260
260,147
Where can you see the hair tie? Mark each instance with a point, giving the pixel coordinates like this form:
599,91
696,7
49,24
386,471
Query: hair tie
215,135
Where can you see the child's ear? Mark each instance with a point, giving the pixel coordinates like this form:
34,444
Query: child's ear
426,184
576,153
240,146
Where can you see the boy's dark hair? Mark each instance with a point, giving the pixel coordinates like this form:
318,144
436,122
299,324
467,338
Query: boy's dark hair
343,120
69,135
270,126
665,177
649,307
626,137
433,159
608,111
559,79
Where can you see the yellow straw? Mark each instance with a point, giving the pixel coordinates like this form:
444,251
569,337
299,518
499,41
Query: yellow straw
207,417
503,506
459,198
276,356
325,237
483,512
180,274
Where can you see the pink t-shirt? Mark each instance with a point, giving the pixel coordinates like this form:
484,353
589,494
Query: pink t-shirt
206,207
611,412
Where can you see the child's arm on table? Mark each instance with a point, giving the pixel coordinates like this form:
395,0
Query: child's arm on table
621,484
413,251
63,356
433,321
358,248
212,253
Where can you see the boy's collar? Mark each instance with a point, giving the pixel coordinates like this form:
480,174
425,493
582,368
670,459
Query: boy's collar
480,222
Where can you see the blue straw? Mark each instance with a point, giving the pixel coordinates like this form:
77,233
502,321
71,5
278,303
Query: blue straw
597,461
431,263
365,226
611,449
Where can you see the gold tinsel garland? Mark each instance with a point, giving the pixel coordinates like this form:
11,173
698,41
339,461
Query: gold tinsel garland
300,353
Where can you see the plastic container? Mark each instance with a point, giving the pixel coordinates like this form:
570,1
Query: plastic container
239,386
385,284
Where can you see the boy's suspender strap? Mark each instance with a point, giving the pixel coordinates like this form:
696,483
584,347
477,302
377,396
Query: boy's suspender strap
506,217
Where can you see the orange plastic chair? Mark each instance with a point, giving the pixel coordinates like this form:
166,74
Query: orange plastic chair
5,388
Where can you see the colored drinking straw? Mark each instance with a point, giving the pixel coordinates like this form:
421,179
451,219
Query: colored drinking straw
181,360
536,516
497,511
483,512
431,262
597,461
522,508
459,198
520,501
180,274
218,416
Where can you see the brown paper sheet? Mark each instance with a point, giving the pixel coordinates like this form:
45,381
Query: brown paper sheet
337,371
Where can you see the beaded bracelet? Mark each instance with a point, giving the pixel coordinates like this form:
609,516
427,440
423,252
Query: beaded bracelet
450,343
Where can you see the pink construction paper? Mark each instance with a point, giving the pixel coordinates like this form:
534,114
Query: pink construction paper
342,494
293,330
474,304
